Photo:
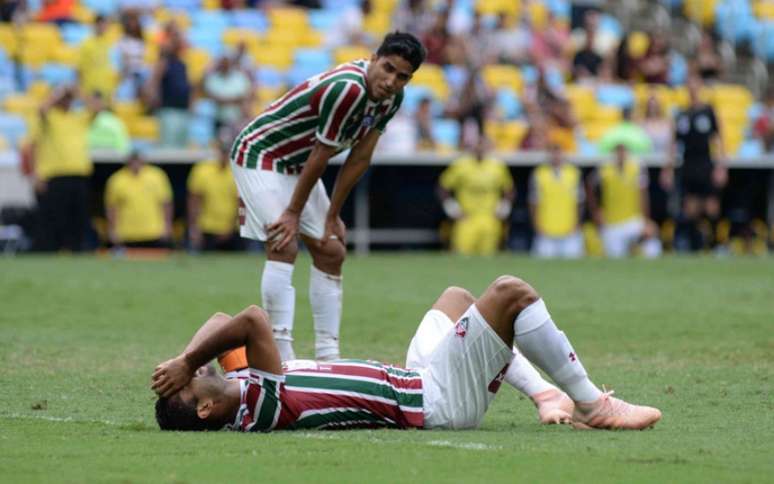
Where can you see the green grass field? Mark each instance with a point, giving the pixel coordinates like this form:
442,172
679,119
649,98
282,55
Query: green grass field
692,336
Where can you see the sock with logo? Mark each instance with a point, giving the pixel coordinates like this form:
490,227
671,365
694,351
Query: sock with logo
543,344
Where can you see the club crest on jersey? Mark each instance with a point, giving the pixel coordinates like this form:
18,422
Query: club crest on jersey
368,121
461,328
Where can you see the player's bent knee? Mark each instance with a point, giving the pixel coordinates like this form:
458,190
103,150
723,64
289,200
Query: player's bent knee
459,294
258,317
516,291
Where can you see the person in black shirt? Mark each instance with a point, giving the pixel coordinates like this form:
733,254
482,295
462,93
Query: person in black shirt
702,177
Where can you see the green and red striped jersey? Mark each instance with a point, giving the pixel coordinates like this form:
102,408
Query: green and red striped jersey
331,107
337,395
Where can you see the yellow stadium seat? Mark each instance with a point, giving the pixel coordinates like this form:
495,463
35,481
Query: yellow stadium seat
3,143
181,18
607,114
211,4
702,11
384,6
128,110
196,61
288,18
503,76
39,90
9,37
151,53
595,130
764,10
377,23
350,53
21,104
65,54
538,14
582,100
266,95
145,127
312,39
283,38
432,77
494,7
82,14
33,56
279,58
511,135
732,94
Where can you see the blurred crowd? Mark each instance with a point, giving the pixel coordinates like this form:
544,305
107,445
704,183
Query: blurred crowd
558,77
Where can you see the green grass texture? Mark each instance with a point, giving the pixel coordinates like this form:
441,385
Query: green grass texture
693,336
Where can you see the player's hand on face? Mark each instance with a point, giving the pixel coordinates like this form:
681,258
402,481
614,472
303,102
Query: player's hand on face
170,376
283,231
334,229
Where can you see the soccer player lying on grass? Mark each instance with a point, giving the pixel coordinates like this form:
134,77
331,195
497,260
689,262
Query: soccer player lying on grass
458,372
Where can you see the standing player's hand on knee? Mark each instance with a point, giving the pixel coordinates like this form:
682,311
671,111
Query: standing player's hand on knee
283,231
334,229
170,376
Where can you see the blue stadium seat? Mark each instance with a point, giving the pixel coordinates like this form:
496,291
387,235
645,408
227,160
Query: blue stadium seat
7,86
104,7
201,131
508,103
678,69
559,8
455,76
189,6
412,95
751,148
446,132
125,91
529,74
250,19
269,77
74,34
205,108
210,19
301,72
734,21
323,20
339,4
608,23
615,95
318,59
587,148
206,38
57,74
13,127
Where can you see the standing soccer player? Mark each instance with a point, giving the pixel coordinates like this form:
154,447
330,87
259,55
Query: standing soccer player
278,160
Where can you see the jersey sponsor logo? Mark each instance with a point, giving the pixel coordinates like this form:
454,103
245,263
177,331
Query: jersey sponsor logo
461,328
494,385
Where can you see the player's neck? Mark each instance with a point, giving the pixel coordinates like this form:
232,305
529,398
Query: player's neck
232,396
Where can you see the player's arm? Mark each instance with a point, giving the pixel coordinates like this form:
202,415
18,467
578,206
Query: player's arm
353,168
250,328
285,228
720,169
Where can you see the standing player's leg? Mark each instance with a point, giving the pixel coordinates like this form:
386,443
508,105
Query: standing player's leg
514,310
264,196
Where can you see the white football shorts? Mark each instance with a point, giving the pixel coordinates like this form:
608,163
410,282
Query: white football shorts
265,195
462,366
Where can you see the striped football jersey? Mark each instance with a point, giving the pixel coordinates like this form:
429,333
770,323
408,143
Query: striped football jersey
337,395
332,107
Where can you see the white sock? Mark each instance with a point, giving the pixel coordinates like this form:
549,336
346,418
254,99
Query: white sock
543,344
279,300
325,295
524,377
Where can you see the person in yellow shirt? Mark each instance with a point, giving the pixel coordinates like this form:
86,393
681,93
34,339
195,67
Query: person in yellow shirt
477,193
138,202
95,71
555,202
212,204
60,168
623,215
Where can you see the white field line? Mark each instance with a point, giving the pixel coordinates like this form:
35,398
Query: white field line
432,443
49,418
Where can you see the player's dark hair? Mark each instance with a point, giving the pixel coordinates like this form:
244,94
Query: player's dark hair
404,45
174,414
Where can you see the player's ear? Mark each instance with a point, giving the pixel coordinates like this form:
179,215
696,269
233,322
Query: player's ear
374,57
204,408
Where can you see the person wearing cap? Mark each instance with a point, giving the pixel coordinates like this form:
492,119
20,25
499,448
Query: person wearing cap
212,203
138,203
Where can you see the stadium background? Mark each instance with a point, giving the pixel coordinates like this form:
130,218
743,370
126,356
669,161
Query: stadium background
281,43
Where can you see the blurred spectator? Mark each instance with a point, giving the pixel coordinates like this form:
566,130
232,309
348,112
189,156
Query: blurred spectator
550,46
131,49
703,178
763,128
413,16
56,11
348,29
603,43
536,138
654,65
508,44
619,205
60,168
634,138
625,61
707,62
470,105
424,125
231,90
108,131
657,126
12,10
312,4
556,201
437,40
212,203
169,91
477,193
94,67
545,100
586,62
138,203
